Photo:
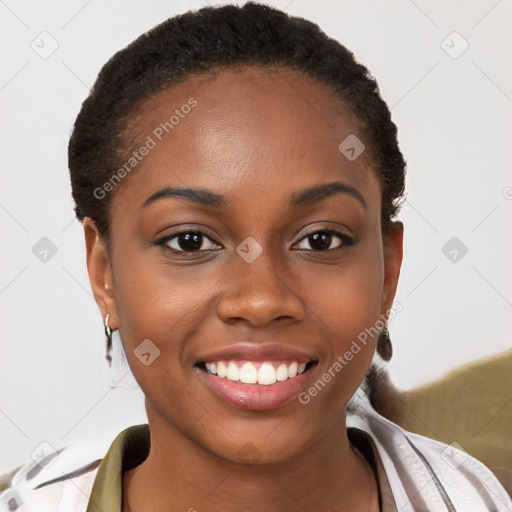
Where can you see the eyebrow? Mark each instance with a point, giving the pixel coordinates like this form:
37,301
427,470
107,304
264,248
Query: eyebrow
300,198
312,195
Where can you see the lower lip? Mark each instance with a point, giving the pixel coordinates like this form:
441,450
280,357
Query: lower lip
256,396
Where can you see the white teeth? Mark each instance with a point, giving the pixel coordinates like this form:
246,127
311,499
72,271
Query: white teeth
221,369
233,372
248,374
282,372
292,370
266,375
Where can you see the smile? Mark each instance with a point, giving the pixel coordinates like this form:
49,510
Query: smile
256,385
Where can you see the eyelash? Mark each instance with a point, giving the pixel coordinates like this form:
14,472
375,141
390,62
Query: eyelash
346,240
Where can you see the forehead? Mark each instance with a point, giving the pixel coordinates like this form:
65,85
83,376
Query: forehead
272,129
252,101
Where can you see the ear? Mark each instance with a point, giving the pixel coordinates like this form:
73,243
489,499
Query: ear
393,253
100,272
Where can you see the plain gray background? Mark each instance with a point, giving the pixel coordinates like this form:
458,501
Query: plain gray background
453,109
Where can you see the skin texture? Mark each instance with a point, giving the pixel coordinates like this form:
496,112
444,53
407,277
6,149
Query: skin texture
255,137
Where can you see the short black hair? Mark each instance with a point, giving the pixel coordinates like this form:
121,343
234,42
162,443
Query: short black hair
214,38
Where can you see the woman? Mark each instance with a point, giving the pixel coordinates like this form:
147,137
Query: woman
238,176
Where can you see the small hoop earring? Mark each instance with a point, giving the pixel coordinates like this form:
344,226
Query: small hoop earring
108,334
384,347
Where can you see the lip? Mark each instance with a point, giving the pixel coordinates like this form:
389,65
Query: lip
257,352
256,396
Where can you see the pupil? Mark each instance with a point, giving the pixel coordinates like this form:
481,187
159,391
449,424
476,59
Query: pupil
190,241
322,240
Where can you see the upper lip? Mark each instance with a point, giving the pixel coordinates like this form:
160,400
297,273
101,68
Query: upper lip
253,352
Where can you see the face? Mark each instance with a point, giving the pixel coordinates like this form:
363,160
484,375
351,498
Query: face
275,261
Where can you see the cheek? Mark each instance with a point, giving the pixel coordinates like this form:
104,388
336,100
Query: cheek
348,300
155,302
157,313
348,306
169,307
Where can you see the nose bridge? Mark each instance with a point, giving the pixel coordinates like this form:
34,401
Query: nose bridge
257,288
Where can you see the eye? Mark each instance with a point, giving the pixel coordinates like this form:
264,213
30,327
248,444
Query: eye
188,241
198,241
323,240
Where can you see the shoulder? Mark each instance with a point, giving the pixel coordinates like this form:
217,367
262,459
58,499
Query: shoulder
62,481
461,474
439,476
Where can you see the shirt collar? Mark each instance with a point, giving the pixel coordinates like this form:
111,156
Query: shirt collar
129,449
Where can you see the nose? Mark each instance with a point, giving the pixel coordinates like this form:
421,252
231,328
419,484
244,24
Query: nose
259,292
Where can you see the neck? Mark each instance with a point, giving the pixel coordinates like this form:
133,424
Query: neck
327,475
